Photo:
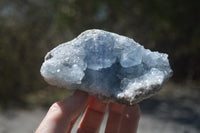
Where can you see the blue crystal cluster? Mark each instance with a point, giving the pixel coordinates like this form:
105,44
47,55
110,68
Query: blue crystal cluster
107,65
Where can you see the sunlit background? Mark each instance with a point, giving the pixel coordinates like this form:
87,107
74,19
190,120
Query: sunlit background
30,28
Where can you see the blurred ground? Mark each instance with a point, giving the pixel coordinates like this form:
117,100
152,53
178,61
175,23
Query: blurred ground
171,111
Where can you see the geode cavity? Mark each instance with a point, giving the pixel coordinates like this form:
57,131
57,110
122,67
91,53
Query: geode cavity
107,65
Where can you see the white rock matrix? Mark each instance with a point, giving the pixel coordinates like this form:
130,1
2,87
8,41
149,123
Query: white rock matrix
107,65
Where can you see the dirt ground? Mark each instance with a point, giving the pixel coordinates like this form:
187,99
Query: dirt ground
174,110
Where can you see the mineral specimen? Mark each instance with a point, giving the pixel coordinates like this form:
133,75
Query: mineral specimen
107,65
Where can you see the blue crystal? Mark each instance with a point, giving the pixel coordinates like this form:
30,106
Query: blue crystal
107,65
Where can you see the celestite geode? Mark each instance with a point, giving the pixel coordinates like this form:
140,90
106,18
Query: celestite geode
107,65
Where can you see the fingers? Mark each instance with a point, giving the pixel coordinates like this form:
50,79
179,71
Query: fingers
130,119
93,117
122,119
62,115
114,118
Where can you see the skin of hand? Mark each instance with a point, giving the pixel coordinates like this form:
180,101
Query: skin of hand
63,114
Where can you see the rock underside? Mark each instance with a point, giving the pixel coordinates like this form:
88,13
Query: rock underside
107,65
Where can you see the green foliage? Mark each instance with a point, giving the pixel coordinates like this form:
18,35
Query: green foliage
31,28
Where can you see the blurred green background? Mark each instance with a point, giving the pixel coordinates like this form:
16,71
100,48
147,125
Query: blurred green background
30,28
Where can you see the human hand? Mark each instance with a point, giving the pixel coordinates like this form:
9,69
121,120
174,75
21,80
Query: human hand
63,114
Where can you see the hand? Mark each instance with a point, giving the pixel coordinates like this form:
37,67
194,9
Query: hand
63,114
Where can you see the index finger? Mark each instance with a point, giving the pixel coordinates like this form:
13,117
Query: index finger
122,118
93,117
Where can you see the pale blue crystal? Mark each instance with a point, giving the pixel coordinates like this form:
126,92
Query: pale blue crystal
107,65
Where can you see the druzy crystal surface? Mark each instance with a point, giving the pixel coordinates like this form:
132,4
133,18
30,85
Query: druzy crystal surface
107,65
